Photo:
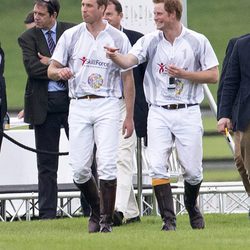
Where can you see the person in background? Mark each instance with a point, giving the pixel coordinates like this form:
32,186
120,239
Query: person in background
46,101
179,61
231,112
29,20
29,23
86,210
94,89
126,204
3,99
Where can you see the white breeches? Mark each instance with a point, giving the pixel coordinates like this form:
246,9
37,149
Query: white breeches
182,127
93,121
125,197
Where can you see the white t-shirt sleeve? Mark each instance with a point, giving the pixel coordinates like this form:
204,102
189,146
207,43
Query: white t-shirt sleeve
208,57
61,51
125,49
139,50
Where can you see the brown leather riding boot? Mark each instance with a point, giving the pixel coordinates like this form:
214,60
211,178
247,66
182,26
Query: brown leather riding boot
91,193
108,193
190,200
164,198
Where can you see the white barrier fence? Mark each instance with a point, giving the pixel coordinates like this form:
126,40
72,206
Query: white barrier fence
18,168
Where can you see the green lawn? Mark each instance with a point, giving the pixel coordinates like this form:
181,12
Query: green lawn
209,123
222,232
216,147
228,174
219,21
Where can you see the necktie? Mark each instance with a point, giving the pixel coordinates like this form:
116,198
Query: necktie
52,46
51,42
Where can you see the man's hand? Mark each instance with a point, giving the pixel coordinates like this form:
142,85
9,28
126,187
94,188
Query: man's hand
224,123
204,76
110,52
20,115
65,73
174,71
44,59
128,128
58,72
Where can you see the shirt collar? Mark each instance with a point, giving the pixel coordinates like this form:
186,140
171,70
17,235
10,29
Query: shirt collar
183,31
53,29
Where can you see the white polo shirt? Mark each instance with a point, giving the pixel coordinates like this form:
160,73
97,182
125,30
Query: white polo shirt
190,51
85,55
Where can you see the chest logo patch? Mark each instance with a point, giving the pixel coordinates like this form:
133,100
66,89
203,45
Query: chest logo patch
95,81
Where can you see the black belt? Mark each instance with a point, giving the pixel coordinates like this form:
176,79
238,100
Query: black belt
178,106
88,97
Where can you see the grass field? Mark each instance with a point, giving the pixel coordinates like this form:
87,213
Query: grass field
222,232
228,174
216,147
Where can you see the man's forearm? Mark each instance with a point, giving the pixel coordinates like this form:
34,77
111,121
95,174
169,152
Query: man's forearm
206,76
129,93
53,72
57,71
32,64
123,61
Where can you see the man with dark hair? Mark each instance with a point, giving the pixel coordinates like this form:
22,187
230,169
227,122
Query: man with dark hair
179,61
126,204
94,89
46,101
3,100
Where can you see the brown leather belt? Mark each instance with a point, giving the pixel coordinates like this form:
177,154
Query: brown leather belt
178,106
88,97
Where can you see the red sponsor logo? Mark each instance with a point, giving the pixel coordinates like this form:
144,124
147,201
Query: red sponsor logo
83,59
162,68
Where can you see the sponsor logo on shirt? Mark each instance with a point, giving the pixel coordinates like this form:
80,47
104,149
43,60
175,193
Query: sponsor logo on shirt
95,80
162,68
93,62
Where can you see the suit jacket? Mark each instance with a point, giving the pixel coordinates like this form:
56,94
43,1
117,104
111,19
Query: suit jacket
31,42
235,97
141,106
3,103
228,53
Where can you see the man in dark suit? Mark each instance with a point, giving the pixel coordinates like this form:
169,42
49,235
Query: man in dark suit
126,205
228,53
239,162
3,100
46,102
